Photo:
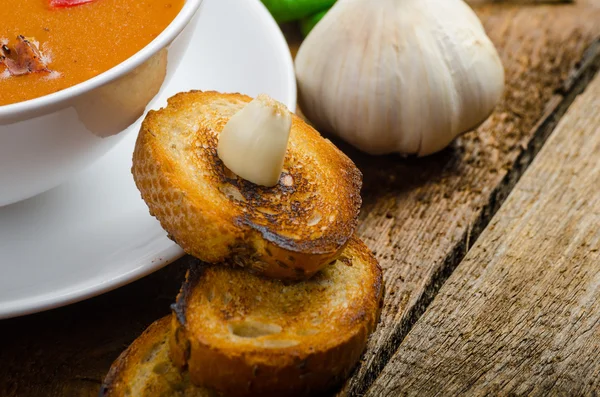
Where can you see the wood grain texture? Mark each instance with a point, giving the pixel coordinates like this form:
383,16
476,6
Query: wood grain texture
521,314
420,215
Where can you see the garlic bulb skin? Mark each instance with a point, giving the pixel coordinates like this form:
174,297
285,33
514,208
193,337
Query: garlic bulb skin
404,76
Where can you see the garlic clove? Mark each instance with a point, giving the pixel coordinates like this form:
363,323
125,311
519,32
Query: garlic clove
253,143
405,76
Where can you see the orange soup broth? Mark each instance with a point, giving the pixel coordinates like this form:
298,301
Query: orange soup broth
81,42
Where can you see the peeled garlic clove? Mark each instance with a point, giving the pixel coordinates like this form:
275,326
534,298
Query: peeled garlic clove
254,141
404,76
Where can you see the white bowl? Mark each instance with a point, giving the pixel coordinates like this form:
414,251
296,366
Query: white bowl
46,140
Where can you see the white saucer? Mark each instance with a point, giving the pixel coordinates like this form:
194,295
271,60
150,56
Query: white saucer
94,233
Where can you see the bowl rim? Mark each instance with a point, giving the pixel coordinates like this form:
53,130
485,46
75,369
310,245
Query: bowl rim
39,104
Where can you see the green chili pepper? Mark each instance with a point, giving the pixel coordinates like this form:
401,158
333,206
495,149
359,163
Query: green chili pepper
292,10
307,24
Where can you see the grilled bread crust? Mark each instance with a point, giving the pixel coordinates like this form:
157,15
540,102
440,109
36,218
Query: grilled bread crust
289,231
145,370
245,335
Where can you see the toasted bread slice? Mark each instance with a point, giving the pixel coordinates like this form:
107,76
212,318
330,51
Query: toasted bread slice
145,370
244,335
288,231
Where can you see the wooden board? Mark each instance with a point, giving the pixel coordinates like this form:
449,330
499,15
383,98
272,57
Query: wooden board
521,313
420,216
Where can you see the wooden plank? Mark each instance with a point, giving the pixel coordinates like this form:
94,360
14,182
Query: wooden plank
420,216
521,313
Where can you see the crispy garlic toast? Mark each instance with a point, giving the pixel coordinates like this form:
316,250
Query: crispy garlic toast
289,231
244,335
145,370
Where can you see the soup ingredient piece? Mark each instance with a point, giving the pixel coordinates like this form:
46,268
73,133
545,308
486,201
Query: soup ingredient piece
404,76
307,24
254,141
24,59
78,43
68,3
292,10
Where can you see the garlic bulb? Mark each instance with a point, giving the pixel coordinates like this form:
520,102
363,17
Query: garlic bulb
404,76
254,141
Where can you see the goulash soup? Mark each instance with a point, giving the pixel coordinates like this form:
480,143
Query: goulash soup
50,45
